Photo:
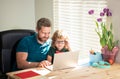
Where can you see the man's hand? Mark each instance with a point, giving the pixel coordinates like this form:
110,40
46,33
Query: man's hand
44,63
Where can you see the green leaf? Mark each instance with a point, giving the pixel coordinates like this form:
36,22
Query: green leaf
105,34
96,24
98,33
110,44
111,26
102,42
116,43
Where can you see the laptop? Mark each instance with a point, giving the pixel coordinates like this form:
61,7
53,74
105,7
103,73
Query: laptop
65,60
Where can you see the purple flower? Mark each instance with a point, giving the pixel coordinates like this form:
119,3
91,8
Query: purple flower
109,14
102,14
91,12
105,10
99,19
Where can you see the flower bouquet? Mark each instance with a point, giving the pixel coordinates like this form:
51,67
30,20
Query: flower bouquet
105,33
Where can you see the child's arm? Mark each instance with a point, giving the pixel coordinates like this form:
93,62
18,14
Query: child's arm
49,58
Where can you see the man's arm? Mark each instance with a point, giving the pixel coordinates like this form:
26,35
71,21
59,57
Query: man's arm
22,62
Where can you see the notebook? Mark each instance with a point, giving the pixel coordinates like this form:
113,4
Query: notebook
65,60
27,74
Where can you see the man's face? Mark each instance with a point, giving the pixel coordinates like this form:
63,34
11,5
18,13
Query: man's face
43,34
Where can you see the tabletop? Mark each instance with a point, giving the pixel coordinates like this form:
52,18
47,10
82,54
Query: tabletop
80,72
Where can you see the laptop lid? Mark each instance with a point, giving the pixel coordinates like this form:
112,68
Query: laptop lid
65,60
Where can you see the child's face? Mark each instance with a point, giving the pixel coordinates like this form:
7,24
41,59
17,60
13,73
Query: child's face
60,43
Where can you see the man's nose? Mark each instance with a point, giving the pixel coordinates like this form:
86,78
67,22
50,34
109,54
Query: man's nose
47,35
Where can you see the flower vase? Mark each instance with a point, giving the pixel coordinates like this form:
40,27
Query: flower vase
108,55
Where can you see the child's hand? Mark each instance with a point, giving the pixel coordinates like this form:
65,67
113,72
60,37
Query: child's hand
67,44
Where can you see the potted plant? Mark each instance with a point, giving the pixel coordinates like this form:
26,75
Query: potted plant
105,32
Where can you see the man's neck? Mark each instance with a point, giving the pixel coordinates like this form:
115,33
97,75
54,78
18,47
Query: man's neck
40,42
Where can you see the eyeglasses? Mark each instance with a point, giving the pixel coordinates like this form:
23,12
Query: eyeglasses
60,42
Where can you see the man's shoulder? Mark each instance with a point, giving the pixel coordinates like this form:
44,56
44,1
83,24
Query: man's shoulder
25,42
29,37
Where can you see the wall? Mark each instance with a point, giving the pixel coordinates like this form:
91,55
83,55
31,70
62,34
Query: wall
114,6
17,14
44,8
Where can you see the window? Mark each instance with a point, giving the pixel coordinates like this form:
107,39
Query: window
72,16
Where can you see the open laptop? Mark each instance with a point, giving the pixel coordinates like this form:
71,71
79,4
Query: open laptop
65,60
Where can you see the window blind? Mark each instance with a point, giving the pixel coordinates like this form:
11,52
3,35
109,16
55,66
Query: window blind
72,16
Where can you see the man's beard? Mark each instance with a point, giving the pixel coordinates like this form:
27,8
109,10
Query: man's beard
43,39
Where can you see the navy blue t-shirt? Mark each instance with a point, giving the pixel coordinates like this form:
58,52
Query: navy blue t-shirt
36,52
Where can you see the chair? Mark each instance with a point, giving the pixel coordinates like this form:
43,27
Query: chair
8,42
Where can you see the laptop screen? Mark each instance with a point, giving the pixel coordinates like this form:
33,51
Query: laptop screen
65,60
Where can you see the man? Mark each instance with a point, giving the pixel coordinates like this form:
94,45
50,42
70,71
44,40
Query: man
32,50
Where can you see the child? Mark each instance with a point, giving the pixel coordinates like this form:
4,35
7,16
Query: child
60,44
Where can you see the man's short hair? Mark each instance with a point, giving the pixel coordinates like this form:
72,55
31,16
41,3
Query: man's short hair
43,22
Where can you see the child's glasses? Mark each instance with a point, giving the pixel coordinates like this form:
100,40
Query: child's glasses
60,42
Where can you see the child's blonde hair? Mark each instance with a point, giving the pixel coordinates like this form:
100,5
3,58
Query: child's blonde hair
60,34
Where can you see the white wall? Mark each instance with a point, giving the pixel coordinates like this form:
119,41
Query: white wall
114,6
44,8
17,14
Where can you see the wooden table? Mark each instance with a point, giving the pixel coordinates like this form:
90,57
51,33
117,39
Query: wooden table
79,73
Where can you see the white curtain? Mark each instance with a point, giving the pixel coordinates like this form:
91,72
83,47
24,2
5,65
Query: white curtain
72,16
